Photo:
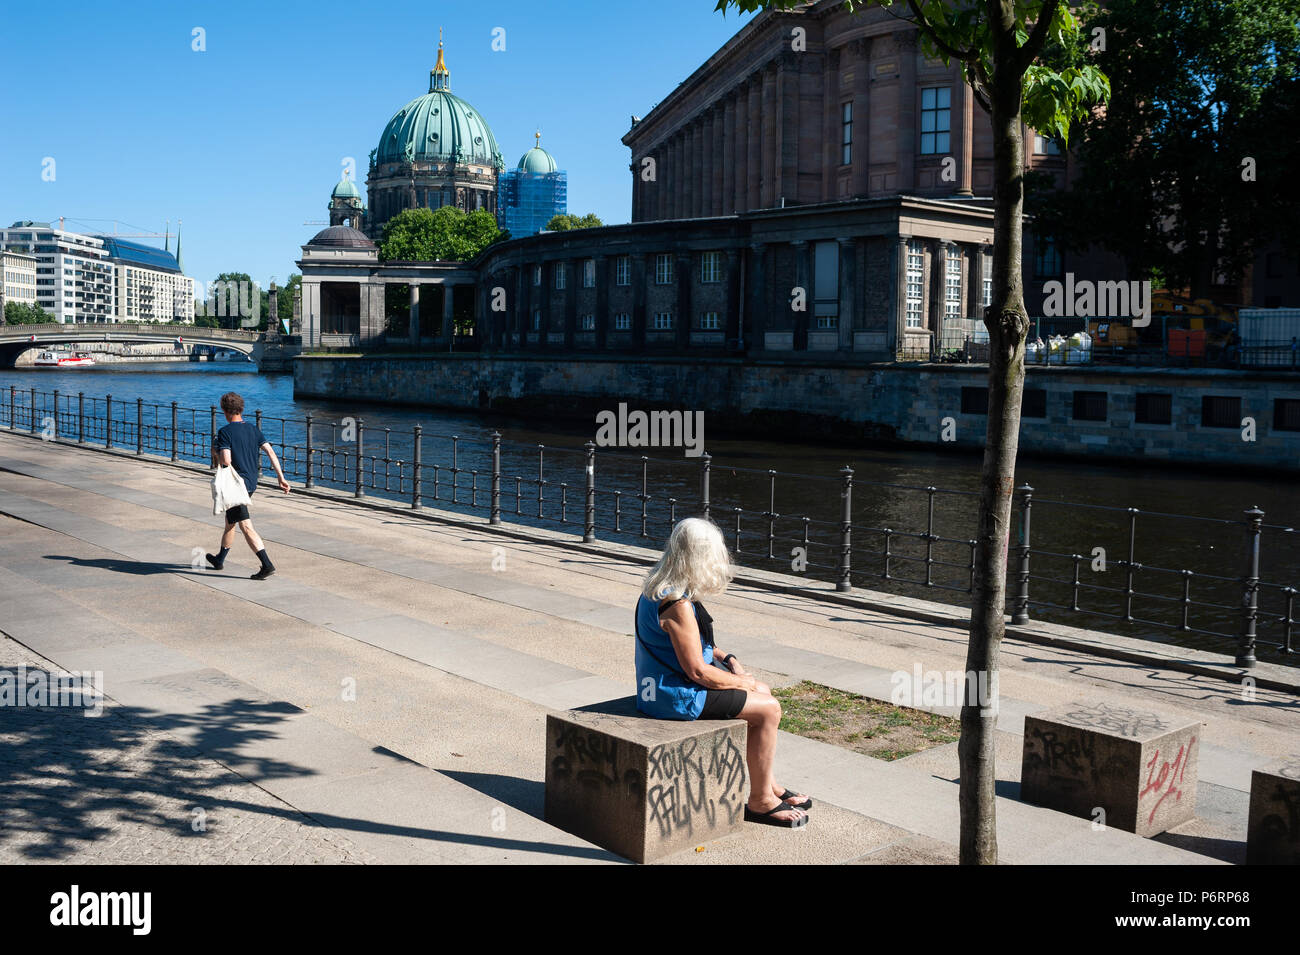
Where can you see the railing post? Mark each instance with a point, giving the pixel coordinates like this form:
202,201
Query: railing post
589,515
31,412
361,444
139,426
1131,563
495,512
212,426
307,483
173,431
1020,613
706,467
56,415
13,404
846,529
416,466
1250,596
108,421
81,417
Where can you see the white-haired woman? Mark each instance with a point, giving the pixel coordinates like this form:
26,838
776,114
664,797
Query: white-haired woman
691,679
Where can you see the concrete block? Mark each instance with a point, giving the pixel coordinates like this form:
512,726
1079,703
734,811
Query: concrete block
642,787
1273,832
1138,766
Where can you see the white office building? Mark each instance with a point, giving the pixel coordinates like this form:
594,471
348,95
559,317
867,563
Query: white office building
90,279
17,278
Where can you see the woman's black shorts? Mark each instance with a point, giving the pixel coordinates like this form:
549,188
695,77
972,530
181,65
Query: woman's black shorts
723,704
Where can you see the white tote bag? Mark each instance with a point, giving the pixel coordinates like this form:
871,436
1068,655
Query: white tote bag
227,490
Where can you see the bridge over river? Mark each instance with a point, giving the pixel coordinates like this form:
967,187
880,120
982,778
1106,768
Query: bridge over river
269,353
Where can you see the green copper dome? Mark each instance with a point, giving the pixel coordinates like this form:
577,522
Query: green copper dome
438,127
346,189
537,159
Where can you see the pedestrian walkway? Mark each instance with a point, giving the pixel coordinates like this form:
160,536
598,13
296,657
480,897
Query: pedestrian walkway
383,696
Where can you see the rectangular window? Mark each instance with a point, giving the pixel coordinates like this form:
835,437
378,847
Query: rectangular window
1033,403
710,322
589,323
589,273
537,320
663,321
622,271
915,283
952,283
1046,146
986,292
1286,414
828,321
663,268
537,275
1090,406
935,120
1153,408
1047,262
711,267
560,276
846,134
974,401
623,322
1220,412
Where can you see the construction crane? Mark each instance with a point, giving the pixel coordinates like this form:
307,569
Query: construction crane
121,235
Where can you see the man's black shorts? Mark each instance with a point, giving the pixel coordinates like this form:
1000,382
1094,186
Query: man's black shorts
237,513
723,704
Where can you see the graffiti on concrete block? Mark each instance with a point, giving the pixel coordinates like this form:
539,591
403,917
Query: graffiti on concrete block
1165,778
696,781
591,758
1116,720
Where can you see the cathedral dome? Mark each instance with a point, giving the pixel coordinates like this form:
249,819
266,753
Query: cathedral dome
537,159
341,237
438,127
346,189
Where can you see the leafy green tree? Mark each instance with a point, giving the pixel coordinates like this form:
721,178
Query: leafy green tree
564,222
20,313
1026,62
1189,159
437,235
232,299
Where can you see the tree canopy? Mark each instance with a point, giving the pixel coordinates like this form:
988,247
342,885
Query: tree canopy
438,235
1191,160
20,313
564,222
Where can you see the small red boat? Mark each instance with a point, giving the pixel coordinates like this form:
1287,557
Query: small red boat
53,359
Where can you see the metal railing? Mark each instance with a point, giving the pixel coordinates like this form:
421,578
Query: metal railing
837,540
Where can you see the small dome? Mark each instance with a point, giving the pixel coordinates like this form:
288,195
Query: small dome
342,237
346,189
537,159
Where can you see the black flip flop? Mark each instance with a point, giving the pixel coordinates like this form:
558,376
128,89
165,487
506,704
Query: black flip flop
787,795
766,818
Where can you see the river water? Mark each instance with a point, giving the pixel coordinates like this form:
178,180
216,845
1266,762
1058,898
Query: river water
1079,507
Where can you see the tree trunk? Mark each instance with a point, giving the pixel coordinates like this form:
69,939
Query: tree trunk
1007,323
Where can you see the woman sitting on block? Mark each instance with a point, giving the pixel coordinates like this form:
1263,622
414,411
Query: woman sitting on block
681,675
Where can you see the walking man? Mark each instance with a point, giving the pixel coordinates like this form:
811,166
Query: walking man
240,443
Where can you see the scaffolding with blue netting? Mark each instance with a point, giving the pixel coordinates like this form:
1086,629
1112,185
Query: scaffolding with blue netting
529,200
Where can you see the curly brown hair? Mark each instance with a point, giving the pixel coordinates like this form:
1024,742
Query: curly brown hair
232,403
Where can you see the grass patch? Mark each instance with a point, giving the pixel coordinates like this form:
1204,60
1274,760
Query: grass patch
867,726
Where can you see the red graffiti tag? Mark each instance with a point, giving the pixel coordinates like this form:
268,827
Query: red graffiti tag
1172,772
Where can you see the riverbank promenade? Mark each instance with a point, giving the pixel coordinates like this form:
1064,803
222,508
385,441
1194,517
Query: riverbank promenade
383,697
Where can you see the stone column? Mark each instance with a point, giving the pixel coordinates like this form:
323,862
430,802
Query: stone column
718,160
602,300
848,292
689,183
685,320
448,323
678,184
899,325
803,279
731,324
759,313
699,167
413,329
908,97
770,138
861,58
573,281
638,266
727,186
754,158
963,124
787,151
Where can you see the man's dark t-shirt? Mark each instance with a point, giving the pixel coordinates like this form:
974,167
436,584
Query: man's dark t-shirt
244,441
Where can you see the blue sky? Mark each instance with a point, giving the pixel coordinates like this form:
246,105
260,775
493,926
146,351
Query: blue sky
245,140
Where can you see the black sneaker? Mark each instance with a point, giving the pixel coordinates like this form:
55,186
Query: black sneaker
216,564
262,574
